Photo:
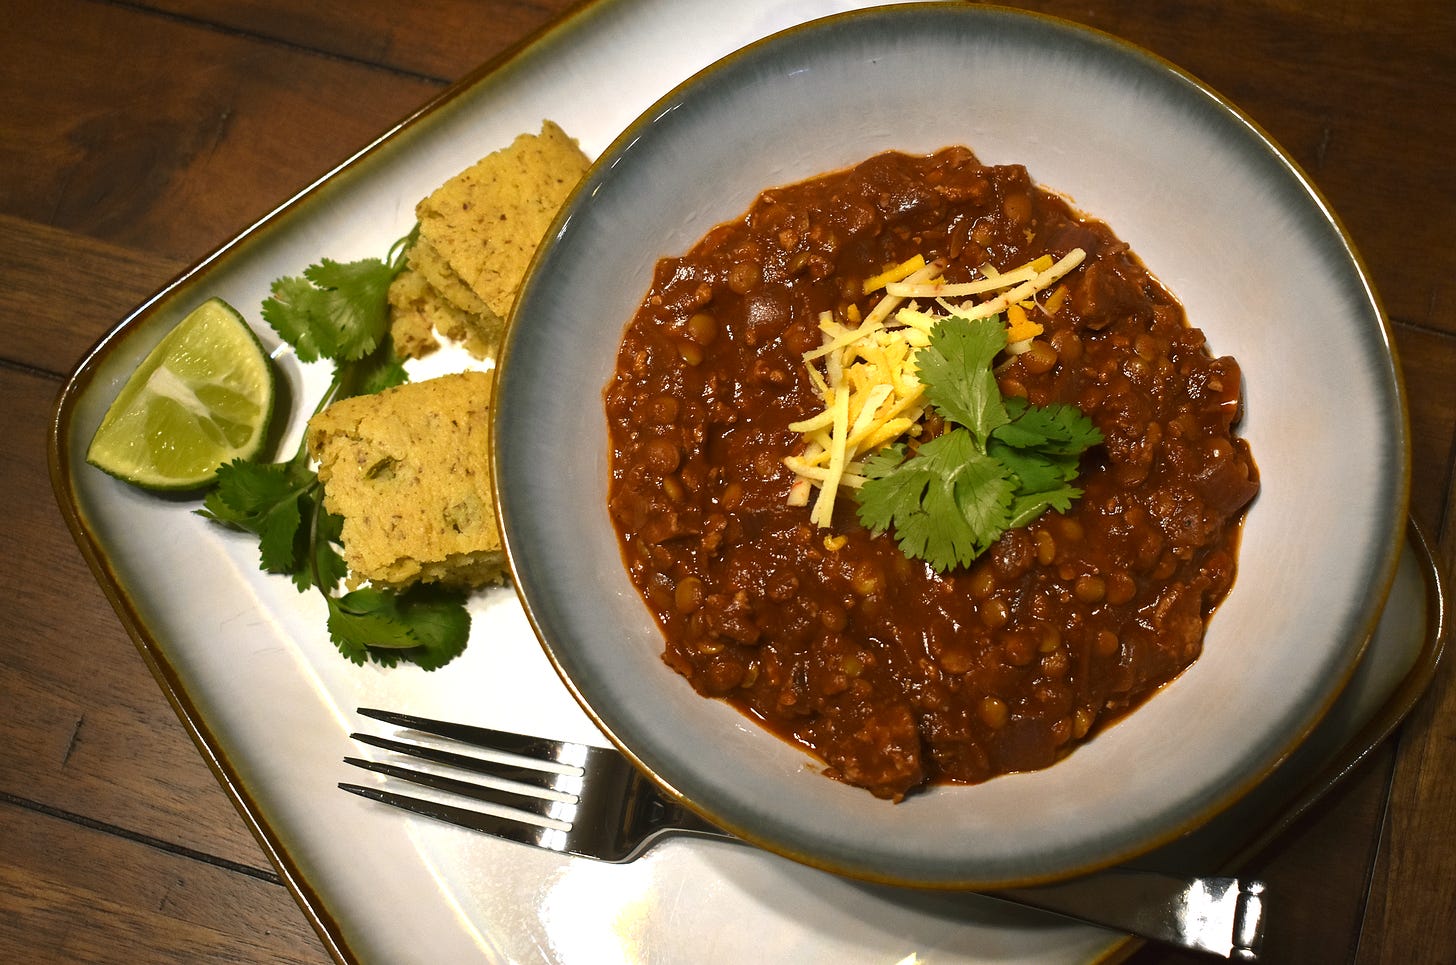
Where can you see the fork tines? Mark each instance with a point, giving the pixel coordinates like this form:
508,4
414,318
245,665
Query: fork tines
535,780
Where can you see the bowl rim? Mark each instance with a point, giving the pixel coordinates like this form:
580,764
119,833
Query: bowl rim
1382,569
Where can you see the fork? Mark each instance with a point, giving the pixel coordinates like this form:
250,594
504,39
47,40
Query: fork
592,802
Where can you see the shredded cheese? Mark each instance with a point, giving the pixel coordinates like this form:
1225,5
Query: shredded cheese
1053,303
823,511
940,289
907,267
1042,279
869,383
1018,327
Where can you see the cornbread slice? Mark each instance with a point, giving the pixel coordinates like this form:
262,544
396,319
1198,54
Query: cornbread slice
408,471
478,233
488,220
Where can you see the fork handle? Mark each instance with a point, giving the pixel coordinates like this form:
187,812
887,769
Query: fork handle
1221,915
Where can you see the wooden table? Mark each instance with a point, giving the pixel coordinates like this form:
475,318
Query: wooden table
137,137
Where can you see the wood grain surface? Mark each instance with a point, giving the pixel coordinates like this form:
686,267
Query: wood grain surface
137,137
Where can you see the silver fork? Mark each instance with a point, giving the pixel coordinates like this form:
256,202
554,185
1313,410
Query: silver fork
590,801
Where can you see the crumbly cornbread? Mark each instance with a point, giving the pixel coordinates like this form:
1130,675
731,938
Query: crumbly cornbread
411,327
487,221
478,233
417,312
426,259
408,470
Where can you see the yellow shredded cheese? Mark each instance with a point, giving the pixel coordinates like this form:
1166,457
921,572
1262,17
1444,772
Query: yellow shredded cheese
869,384
907,267
1053,303
853,475
1042,279
940,289
1019,327
823,420
823,512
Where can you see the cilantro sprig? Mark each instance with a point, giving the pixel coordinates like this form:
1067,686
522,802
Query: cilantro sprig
1000,464
337,312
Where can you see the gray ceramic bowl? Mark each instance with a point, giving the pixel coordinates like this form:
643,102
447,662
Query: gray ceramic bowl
1214,209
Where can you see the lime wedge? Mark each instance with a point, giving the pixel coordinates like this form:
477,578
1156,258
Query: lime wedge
202,398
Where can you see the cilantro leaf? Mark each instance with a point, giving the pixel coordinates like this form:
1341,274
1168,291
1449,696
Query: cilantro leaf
424,625
364,619
1026,507
329,568
1051,428
357,302
1000,464
264,499
947,503
299,313
379,370
1037,471
335,310
956,370
884,489
441,625
1043,444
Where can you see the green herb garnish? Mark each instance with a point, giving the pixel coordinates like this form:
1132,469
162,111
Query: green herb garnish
337,312
1000,465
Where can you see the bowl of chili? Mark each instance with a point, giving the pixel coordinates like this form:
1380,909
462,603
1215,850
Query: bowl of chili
875,692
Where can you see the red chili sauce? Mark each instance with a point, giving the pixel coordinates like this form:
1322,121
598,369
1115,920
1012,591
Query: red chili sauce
892,674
